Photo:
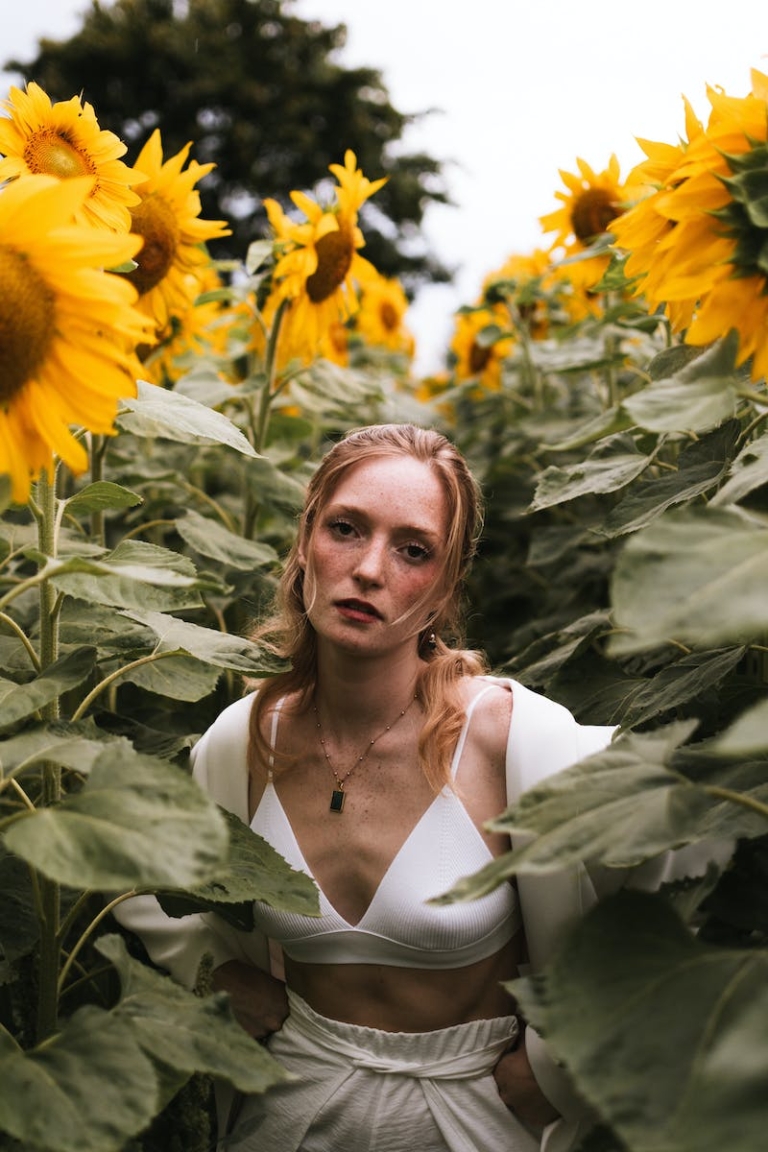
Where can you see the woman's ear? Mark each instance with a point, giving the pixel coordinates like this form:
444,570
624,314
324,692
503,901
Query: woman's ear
301,554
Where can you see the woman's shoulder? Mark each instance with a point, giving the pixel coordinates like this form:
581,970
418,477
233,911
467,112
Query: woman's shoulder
488,703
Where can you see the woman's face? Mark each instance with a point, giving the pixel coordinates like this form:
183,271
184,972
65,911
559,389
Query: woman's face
375,556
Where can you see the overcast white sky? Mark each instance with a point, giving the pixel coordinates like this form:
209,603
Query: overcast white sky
523,88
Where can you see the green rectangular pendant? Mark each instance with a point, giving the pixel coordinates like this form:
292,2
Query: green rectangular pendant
337,800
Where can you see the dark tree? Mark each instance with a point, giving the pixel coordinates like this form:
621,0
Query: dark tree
258,92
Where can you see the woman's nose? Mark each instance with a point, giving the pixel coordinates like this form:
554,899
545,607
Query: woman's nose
370,561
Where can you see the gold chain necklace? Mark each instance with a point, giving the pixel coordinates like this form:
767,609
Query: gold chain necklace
338,794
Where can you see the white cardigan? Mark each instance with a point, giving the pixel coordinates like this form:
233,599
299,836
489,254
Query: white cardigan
543,739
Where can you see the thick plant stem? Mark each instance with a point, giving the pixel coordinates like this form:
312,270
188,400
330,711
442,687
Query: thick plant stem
96,456
260,424
50,896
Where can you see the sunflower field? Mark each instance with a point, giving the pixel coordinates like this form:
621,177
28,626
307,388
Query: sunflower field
160,414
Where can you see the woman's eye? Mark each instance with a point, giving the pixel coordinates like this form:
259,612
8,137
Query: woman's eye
416,552
342,528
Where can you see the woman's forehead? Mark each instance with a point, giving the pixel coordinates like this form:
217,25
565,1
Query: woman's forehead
388,481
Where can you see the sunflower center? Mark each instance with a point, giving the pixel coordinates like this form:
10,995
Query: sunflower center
155,222
27,316
389,316
334,259
51,153
478,358
745,217
592,213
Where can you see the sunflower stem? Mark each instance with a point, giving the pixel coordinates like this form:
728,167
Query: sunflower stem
261,424
270,366
50,894
96,455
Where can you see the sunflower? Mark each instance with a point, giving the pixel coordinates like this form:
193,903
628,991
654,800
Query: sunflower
172,256
520,284
699,240
588,207
381,318
477,349
65,326
319,268
201,332
64,140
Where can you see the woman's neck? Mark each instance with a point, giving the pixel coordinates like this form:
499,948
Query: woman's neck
361,692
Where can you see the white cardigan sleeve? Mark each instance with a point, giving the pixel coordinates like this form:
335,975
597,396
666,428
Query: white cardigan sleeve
178,944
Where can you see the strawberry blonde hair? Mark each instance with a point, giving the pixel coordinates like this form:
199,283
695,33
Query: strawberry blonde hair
289,634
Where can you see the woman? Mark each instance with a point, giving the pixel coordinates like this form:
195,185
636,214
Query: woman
373,765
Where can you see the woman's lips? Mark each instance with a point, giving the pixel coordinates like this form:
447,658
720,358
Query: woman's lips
358,610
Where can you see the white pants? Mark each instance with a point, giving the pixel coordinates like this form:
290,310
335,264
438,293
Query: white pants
364,1090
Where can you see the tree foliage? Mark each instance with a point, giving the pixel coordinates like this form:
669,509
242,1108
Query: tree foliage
258,92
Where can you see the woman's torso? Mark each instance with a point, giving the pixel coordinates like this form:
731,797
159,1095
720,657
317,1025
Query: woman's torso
391,821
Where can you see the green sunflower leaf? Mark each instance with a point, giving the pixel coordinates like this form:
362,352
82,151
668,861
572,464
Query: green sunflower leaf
74,746
175,675
748,471
696,398
87,1089
253,871
20,700
163,414
102,495
695,575
700,467
221,649
186,1032
600,473
212,539
747,735
663,1034
621,807
138,822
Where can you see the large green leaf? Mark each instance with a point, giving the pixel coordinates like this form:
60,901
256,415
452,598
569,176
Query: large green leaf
253,871
325,387
273,486
134,575
678,683
99,1081
604,472
697,397
137,823
696,576
700,468
20,700
188,1033
747,734
212,539
158,412
101,495
547,655
88,1089
74,746
664,1035
748,471
619,807
176,676
606,423
221,649
19,923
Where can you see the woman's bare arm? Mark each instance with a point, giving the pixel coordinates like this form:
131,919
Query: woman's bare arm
259,1000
